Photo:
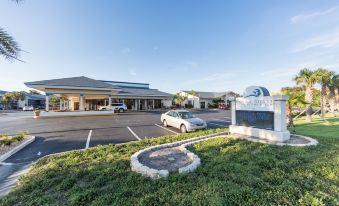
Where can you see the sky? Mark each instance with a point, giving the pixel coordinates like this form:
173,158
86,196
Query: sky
172,44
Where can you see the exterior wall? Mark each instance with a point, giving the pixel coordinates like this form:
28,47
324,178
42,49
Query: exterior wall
190,98
23,103
166,103
206,101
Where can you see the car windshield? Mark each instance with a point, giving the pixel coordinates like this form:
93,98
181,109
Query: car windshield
186,115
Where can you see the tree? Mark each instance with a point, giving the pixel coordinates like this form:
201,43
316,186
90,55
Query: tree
335,82
193,93
7,99
324,77
8,46
179,99
296,99
307,78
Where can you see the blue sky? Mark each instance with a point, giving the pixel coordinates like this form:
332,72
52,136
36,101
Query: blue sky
173,45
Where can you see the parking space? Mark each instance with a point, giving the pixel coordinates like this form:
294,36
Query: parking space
55,135
110,135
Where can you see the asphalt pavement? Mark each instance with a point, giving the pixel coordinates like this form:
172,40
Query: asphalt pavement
54,135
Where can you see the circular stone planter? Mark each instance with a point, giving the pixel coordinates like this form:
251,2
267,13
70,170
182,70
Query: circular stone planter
157,161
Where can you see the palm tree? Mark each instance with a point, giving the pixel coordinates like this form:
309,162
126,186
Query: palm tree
307,78
335,81
179,99
324,78
8,46
296,99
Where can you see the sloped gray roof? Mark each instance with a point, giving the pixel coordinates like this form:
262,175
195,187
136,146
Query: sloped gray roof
36,96
129,91
73,82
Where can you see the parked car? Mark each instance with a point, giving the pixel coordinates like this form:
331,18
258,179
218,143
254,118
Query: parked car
121,107
28,108
183,120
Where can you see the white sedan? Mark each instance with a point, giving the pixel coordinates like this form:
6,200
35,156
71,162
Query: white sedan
28,108
183,120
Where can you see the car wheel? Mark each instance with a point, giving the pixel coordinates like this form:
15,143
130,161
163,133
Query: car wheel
121,110
165,123
183,128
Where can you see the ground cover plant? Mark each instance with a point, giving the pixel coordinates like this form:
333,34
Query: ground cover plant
233,172
7,140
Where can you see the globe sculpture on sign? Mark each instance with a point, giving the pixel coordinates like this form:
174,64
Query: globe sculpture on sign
260,115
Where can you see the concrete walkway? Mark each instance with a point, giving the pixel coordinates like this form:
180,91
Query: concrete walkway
9,175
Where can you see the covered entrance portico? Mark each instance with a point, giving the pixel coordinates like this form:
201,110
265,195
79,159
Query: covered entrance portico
89,101
85,94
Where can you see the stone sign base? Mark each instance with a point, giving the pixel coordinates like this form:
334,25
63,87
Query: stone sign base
261,133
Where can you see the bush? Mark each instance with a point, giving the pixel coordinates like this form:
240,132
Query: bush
9,140
6,141
3,135
189,106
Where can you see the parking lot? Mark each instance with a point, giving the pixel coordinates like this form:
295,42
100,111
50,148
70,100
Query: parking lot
54,135
61,134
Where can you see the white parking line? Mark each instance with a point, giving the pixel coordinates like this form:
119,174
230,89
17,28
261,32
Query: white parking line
88,139
135,135
228,118
223,120
220,125
166,129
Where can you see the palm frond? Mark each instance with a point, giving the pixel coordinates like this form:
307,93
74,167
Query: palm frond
8,46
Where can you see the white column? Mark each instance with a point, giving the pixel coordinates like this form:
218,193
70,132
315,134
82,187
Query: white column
61,107
110,101
139,103
123,101
233,112
81,103
145,102
280,114
47,103
153,104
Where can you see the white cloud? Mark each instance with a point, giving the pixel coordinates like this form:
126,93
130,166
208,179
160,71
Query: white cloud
329,40
304,17
132,72
126,50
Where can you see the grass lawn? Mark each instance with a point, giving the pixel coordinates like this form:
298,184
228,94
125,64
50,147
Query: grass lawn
233,172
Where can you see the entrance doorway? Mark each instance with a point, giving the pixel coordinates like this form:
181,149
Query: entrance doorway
202,105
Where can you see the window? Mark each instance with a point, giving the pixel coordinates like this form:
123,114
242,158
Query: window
175,114
186,115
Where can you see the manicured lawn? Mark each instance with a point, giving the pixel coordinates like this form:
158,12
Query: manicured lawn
233,172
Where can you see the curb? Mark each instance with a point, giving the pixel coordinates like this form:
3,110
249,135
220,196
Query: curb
17,148
138,167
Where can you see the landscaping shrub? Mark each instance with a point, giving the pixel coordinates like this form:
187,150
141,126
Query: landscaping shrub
3,135
7,140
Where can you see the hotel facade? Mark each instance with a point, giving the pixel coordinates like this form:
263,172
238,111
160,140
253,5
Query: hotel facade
86,94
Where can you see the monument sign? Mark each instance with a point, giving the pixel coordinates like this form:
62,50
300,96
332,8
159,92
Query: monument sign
261,115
